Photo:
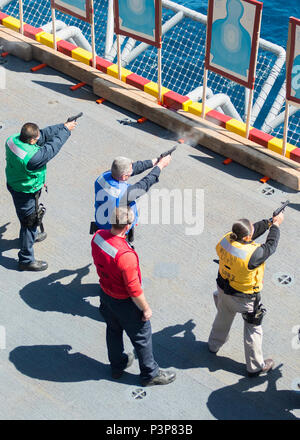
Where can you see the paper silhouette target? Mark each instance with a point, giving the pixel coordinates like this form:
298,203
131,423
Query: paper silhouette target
293,62
78,8
139,19
232,35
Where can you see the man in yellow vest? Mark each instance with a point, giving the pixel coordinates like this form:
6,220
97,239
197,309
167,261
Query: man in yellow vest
27,154
239,282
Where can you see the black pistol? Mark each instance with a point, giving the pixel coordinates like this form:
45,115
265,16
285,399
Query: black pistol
74,118
280,209
166,153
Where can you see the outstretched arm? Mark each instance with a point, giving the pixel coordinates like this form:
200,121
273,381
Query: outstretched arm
138,189
140,166
48,133
260,228
52,146
264,251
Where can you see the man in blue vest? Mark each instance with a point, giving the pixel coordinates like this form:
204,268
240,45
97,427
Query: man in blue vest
112,189
27,154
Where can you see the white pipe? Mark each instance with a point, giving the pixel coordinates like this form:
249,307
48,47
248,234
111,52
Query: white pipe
69,33
131,42
275,109
280,119
187,12
276,69
109,29
76,34
223,101
214,101
143,46
58,26
196,94
114,49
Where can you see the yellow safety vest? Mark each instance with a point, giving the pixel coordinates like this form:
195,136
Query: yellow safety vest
233,266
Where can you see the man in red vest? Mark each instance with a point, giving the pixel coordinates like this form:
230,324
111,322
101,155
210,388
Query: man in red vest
123,303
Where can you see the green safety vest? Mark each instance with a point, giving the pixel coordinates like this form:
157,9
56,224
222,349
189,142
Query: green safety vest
19,178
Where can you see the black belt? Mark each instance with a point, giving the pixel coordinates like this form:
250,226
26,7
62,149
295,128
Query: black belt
236,293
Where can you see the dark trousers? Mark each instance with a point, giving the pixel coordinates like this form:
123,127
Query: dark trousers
25,206
120,315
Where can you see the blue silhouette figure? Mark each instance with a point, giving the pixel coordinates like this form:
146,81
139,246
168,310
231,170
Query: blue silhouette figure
138,15
231,42
295,81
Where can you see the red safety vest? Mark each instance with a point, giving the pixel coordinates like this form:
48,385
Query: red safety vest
106,251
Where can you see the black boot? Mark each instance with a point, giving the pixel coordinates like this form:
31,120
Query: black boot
35,266
163,378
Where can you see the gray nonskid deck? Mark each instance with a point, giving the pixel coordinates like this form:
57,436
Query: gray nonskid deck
55,363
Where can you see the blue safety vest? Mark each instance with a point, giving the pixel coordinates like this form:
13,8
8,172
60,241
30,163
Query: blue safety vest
108,193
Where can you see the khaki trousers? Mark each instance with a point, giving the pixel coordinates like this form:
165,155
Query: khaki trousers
228,306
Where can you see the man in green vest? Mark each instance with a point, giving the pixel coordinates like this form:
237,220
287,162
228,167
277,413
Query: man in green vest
27,154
